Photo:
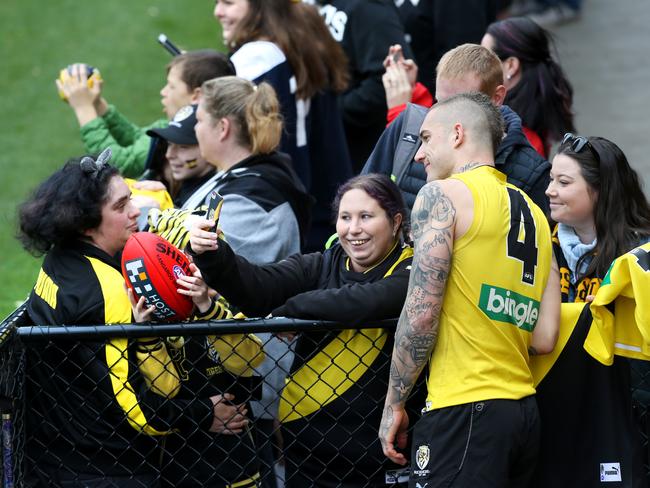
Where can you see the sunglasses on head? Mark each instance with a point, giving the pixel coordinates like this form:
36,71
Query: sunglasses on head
578,143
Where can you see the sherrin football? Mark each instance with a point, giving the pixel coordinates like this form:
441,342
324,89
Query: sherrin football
150,266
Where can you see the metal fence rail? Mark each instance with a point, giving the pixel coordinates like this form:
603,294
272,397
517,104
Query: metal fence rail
133,405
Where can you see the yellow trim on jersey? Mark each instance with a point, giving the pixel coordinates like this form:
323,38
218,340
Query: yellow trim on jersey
625,331
238,353
334,369
492,297
247,483
541,365
159,371
46,288
117,309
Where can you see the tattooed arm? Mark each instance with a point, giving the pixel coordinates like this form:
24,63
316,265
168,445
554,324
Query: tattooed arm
434,223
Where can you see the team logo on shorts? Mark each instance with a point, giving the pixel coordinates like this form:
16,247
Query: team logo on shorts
422,456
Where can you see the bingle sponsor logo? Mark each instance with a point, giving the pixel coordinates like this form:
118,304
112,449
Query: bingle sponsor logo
507,306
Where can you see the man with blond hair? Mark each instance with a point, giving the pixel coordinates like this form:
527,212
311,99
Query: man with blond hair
466,68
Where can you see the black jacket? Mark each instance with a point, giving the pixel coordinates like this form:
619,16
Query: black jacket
89,402
436,26
515,157
365,29
319,286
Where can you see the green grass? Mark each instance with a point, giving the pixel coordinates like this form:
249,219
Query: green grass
38,132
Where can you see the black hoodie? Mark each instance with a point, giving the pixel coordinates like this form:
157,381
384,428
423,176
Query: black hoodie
266,210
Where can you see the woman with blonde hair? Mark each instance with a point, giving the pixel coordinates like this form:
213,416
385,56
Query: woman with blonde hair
265,212
287,44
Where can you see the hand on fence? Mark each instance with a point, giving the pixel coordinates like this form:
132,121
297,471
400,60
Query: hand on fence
202,238
228,418
393,429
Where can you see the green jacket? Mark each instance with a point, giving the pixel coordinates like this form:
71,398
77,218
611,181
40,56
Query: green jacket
129,143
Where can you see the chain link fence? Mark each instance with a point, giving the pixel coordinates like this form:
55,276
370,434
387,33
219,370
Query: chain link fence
144,405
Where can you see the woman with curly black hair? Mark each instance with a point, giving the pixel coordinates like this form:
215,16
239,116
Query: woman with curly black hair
94,408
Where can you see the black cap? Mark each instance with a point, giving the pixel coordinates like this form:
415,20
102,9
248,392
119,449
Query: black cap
180,129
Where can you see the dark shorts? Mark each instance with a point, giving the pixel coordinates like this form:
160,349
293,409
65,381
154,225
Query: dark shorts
493,443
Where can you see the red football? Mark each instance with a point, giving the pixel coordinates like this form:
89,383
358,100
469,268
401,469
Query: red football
150,266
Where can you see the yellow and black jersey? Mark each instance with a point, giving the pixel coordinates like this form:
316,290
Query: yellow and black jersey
116,391
497,277
589,435
621,310
333,398
207,366
572,292
583,386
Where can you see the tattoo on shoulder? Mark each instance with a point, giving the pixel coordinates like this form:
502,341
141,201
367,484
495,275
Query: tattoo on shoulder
432,209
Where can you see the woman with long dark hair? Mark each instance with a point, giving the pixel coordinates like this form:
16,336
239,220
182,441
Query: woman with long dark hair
286,44
538,89
602,213
601,210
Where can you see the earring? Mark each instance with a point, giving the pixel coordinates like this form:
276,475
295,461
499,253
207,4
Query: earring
508,77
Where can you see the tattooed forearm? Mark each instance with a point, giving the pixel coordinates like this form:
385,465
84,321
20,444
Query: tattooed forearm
387,420
417,331
419,346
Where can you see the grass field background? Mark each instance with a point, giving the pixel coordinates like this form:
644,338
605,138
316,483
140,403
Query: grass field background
38,132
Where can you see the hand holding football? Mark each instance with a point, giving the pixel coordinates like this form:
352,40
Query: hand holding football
150,266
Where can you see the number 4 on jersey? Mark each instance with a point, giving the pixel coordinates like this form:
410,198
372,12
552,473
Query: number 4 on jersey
522,226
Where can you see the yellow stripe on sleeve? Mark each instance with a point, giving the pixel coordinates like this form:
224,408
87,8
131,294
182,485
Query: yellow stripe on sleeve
117,309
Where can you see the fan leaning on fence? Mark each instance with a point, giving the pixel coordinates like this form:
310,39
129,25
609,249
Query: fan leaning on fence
94,413
331,401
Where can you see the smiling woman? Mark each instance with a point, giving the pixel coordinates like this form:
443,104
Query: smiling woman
336,374
597,200
366,226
